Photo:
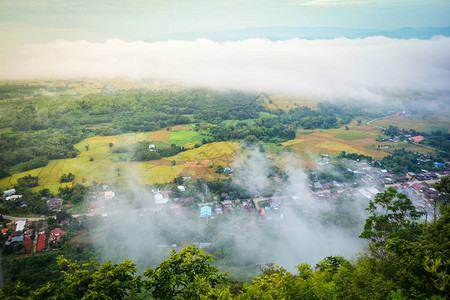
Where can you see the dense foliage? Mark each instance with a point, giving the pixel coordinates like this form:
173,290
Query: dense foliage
141,151
73,194
355,156
32,270
402,161
406,260
45,126
439,140
67,177
392,131
29,203
27,181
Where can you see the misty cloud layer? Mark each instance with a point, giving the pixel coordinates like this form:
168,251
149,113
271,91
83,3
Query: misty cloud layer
295,234
368,68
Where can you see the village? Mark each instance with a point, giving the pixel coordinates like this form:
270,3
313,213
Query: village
33,235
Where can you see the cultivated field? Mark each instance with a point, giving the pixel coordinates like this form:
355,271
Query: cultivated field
287,102
110,167
357,139
431,123
185,138
97,162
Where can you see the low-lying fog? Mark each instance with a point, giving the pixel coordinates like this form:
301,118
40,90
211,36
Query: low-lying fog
372,68
295,234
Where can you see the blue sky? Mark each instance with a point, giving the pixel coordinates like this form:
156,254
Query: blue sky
24,21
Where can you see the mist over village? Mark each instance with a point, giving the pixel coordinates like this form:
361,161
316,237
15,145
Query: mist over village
224,150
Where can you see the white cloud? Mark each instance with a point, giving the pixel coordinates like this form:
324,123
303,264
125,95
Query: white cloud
341,68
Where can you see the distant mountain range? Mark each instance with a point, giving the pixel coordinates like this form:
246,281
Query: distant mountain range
310,33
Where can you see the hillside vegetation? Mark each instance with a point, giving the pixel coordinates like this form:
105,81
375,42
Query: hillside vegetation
406,260
49,129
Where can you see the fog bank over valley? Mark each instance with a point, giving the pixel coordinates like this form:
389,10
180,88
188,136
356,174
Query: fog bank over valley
372,68
298,232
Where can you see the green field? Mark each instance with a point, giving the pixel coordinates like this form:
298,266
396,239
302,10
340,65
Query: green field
183,137
356,135
113,168
97,161
109,167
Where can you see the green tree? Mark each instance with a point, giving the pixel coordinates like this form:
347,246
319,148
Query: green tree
277,283
392,214
28,181
443,187
67,177
184,275
62,215
94,281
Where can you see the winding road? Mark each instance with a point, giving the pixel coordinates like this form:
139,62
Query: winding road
370,122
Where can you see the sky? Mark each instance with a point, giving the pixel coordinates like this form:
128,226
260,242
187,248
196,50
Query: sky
26,21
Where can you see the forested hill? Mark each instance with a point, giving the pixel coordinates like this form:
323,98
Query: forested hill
38,125
406,260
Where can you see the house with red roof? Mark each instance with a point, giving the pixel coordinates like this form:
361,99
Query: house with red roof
56,234
416,139
41,242
278,179
419,186
96,205
27,244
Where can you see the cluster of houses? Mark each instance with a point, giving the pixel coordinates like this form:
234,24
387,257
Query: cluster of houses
101,199
404,137
22,231
370,181
264,206
53,204
10,195
416,139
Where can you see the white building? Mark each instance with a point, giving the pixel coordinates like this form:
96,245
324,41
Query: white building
109,195
9,192
160,199
13,197
20,225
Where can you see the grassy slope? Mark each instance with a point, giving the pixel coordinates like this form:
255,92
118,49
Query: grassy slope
113,168
429,124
